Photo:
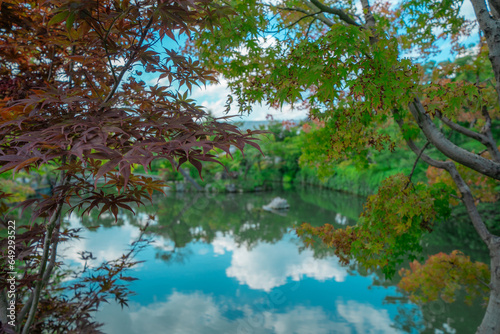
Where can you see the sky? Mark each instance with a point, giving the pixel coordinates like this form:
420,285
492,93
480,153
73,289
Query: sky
213,97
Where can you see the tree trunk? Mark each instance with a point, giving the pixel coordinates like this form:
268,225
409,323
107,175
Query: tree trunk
491,320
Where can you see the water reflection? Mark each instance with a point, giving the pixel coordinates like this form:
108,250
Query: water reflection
267,266
221,264
200,313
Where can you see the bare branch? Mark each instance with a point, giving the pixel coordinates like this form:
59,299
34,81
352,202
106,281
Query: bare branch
416,162
470,204
309,27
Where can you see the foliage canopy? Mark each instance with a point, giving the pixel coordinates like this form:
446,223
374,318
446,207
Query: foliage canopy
363,71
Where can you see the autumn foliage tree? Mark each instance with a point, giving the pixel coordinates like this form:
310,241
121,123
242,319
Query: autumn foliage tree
72,98
359,68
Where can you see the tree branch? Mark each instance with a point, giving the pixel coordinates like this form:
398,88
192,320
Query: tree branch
335,11
486,131
294,23
491,29
411,144
416,162
129,62
45,269
462,186
452,151
470,205
43,266
370,20
485,138
309,27
495,8
4,304
321,16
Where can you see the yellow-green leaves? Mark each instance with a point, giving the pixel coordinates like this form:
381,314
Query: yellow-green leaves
390,228
393,222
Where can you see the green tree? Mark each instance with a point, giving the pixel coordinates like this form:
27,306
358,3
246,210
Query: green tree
347,63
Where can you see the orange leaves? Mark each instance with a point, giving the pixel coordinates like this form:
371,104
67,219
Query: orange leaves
339,239
443,276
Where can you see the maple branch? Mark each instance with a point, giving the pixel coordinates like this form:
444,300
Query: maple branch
294,23
486,130
452,151
109,61
51,68
91,84
470,205
320,17
45,270
462,186
43,267
106,43
130,61
480,137
45,278
309,27
370,20
291,9
415,163
335,11
411,144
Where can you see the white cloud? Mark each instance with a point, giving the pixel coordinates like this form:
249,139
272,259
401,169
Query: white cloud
179,314
195,313
109,244
266,266
365,318
213,97
302,320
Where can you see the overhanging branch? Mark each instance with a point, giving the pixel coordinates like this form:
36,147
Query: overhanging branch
452,151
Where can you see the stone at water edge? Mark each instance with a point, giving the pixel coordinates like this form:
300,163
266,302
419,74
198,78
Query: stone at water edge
277,203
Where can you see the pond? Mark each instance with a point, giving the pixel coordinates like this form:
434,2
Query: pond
219,263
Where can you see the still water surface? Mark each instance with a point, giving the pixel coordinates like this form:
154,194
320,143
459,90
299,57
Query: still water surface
221,264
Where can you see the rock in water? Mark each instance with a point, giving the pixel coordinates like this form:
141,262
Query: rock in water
277,203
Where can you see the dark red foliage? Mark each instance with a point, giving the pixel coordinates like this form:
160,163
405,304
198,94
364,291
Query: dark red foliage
71,97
